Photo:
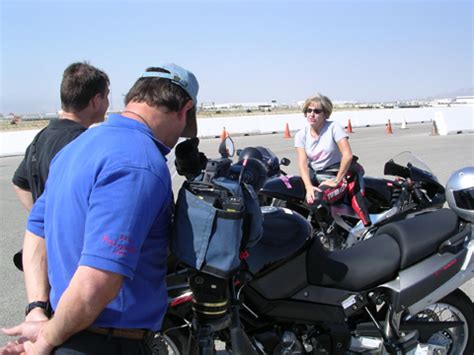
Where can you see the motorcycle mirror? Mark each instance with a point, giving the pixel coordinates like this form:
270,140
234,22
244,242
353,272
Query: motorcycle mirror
239,151
285,161
227,148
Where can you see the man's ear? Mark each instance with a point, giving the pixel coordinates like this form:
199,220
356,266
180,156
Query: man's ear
188,106
95,101
190,129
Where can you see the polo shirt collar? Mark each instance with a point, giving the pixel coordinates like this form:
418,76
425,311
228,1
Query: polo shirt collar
117,120
64,122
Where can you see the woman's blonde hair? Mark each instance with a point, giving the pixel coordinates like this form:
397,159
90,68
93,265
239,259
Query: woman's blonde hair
324,101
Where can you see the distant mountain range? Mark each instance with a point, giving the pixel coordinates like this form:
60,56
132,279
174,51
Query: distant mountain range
453,94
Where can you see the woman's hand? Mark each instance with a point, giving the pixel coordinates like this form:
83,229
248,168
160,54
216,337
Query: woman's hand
310,194
329,183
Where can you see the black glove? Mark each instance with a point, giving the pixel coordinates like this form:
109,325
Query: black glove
189,161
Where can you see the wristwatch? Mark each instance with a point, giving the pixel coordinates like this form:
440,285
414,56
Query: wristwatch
46,306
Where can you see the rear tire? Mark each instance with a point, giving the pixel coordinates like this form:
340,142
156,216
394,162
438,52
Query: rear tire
454,307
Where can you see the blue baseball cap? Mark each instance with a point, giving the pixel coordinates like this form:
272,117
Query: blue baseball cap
179,76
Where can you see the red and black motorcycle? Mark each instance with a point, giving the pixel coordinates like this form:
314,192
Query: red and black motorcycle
413,189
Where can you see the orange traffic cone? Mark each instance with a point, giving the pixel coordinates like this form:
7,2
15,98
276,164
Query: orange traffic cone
434,129
287,132
349,126
224,134
389,128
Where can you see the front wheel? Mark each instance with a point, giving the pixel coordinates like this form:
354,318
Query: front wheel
455,307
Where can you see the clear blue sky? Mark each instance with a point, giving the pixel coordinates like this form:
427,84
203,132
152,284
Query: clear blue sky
241,51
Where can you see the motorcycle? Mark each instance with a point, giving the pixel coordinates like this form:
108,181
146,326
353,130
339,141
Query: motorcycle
414,189
395,293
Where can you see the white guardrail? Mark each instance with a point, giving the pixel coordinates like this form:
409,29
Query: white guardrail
449,120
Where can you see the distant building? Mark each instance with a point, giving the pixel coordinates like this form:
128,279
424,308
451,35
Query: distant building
463,100
409,104
239,106
441,102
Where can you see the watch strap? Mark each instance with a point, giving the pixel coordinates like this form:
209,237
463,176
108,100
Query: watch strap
45,305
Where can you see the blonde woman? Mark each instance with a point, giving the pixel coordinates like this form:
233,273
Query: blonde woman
320,146
325,159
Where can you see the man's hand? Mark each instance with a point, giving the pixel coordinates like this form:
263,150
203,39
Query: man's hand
13,347
26,331
39,347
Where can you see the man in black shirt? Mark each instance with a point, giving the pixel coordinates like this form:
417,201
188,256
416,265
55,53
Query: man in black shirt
84,101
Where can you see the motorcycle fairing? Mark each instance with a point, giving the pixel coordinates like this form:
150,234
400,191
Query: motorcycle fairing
423,278
438,199
284,278
430,183
466,273
422,175
378,194
294,309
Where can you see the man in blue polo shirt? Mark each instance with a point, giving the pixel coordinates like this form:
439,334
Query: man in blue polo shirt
104,223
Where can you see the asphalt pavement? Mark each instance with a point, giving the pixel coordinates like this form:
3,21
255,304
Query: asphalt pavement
373,146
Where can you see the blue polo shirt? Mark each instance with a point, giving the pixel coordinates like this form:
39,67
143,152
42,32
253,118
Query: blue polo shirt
107,205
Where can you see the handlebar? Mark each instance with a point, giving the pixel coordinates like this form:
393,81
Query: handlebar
418,193
411,188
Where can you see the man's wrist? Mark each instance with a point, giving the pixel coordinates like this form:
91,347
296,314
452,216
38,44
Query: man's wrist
44,341
45,306
37,314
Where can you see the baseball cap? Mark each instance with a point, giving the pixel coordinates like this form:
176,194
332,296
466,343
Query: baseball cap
179,76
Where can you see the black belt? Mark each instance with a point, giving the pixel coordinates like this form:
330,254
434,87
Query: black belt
127,333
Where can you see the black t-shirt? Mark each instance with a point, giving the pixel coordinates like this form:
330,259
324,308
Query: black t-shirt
32,172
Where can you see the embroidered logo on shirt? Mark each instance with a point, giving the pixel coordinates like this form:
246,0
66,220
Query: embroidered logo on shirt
121,246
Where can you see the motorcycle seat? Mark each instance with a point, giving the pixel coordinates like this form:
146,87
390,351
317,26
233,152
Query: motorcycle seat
376,260
366,264
421,236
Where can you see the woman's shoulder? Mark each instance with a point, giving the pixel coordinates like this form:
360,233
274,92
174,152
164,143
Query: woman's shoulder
334,125
337,130
302,132
300,137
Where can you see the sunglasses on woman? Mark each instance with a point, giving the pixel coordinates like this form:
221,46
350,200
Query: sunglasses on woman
315,110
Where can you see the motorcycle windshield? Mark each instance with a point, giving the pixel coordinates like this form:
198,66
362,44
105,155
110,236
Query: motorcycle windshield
408,165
